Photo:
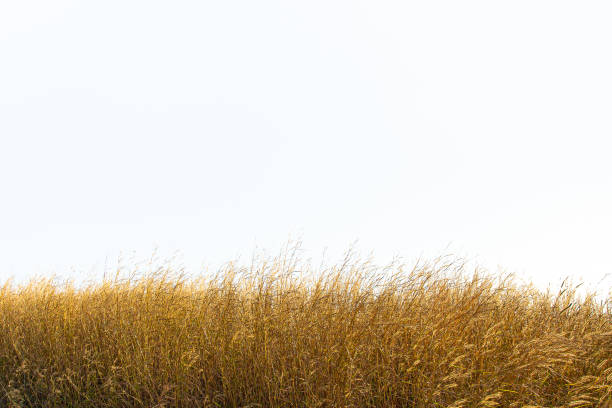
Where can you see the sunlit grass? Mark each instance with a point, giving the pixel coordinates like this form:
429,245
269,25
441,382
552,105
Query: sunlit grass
350,335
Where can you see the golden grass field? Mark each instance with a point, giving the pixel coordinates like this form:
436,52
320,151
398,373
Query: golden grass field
264,335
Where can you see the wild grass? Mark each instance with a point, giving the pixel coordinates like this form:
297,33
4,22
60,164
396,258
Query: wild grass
265,335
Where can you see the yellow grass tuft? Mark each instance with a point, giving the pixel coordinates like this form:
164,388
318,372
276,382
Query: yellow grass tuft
350,335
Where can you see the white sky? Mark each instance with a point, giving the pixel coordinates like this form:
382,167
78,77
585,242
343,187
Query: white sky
211,127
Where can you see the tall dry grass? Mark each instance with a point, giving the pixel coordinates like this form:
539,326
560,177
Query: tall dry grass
351,335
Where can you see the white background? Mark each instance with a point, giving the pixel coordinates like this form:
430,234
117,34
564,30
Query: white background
211,127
